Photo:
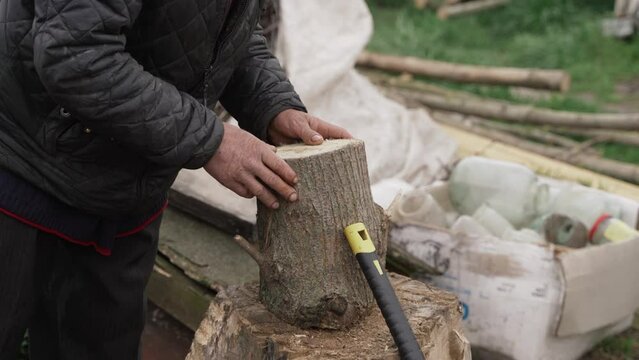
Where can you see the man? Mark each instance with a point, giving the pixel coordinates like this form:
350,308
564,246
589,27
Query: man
102,102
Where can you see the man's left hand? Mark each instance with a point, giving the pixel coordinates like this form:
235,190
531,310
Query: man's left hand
291,126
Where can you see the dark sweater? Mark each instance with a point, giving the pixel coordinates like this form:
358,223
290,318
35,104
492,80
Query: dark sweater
30,205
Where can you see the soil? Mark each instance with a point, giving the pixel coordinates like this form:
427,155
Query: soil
164,338
628,94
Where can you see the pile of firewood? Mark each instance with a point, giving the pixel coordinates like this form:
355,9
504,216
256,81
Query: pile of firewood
452,8
547,132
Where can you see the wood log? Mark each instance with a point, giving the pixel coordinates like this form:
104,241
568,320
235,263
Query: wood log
420,4
524,114
617,169
620,137
308,274
469,7
238,327
543,136
476,74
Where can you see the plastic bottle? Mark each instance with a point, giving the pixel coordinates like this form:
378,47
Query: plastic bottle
526,236
418,207
469,226
492,221
608,229
510,189
585,205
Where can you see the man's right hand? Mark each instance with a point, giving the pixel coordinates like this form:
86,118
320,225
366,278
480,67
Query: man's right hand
249,167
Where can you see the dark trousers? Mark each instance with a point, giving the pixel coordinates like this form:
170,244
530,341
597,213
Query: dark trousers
76,303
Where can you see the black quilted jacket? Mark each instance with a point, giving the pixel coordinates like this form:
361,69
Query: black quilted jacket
102,102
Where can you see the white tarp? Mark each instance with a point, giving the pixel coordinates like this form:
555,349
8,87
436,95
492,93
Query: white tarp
319,41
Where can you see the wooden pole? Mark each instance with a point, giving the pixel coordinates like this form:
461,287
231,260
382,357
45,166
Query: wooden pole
469,7
524,114
609,167
532,78
543,136
620,137
420,4
308,274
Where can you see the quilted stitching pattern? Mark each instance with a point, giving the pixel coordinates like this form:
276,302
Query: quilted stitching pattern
131,71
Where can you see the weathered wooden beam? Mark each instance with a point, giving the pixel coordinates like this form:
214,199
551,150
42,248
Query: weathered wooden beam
524,114
221,219
476,74
469,7
174,292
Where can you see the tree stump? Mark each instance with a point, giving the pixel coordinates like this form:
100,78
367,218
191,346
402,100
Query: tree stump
308,274
238,326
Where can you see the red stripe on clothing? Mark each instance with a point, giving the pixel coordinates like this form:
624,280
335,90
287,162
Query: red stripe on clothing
100,250
144,224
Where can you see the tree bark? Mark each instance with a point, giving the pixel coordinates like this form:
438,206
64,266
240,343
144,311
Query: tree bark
620,137
524,114
543,136
308,274
238,327
533,78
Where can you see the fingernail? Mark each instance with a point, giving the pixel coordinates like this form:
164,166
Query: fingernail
275,205
317,138
296,180
293,197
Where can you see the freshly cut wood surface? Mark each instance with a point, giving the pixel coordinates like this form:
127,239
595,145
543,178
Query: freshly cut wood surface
533,78
238,327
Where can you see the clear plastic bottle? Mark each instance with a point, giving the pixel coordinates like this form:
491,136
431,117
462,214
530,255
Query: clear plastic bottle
608,229
524,236
585,205
510,189
492,221
418,207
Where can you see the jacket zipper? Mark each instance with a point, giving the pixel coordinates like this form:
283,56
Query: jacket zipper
218,48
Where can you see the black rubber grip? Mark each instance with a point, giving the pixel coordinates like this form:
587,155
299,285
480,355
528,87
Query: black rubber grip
390,307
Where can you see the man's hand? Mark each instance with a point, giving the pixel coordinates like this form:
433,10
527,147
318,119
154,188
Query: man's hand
249,167
292,126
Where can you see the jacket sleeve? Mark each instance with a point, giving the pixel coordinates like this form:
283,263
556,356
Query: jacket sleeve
259,89
80,57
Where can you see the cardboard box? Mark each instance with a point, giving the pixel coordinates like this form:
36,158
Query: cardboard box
526,301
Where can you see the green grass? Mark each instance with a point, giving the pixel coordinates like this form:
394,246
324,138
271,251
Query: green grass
554,34
563,34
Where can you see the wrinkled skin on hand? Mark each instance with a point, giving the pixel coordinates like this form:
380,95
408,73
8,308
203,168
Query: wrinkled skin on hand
250,167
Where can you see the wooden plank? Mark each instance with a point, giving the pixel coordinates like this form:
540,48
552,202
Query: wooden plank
206,254
174,292
221,219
